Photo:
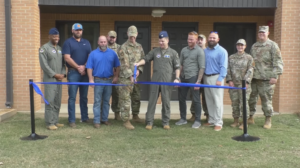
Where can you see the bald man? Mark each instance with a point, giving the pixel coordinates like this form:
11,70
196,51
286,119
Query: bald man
215,71
100,68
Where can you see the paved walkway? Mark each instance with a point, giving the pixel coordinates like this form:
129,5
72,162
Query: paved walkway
174,110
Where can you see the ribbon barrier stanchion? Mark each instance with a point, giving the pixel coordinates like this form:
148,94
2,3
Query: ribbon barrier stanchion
33,135
245,137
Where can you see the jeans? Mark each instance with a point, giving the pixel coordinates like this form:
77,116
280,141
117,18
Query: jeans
101,94
75,76
182,93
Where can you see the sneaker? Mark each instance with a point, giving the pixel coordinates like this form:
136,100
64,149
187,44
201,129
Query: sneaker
196,124
181,122
72,125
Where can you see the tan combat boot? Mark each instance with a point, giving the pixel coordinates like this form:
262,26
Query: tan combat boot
149,127
192,119
51,127
268,123
137,119
166,127
235,122
241,127
117,116
128,125
250,120
59,125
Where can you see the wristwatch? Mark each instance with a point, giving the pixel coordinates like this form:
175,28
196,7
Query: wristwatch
198,81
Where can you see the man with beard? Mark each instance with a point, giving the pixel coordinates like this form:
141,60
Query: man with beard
165,62
54,69
112,37
130,52
268,66
100,68
192,61
215,71
201,43
76,51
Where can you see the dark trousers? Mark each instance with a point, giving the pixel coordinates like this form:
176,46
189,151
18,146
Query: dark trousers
182,94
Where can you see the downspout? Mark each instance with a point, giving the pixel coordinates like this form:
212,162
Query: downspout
8,42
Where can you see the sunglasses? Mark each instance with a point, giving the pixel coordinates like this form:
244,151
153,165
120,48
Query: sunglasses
214,32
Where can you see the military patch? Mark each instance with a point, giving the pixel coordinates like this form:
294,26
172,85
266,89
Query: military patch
167,56
53,51
158,56
59,51
41,50
253,63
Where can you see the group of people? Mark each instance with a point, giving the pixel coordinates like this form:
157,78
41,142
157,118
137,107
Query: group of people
112,64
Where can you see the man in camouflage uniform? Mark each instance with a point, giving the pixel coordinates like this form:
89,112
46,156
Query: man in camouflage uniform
129,53
240,67
54,69
201,43
268,66
165,62
111,38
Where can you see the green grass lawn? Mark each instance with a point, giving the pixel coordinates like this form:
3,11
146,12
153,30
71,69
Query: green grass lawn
182,146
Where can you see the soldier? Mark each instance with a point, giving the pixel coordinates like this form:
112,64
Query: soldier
202,43
54,69
129,53
240,67
268,66
112,37
165,61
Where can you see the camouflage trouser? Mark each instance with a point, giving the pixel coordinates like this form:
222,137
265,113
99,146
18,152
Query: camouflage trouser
265,91
236,96
125,98
136,99
204,107
115,100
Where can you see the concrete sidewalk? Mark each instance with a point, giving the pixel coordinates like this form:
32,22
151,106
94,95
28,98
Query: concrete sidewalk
175,114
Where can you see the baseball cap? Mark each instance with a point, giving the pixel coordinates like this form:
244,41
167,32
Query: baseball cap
263,29
202,36
53,31
163,34
112,33
77,26
132,31
241,41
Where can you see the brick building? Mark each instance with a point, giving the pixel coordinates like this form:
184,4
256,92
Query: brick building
233,19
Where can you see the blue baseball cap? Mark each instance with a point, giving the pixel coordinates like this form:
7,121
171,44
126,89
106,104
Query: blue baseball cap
53,31
163,34
77,26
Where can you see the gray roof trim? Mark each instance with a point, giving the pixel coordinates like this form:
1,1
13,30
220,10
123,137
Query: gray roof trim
166,3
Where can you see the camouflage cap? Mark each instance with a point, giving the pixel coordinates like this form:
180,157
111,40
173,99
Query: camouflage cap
202,36
112,33
263,29
241,41
132,31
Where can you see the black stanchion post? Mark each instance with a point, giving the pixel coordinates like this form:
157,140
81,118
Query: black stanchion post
33,135
245,137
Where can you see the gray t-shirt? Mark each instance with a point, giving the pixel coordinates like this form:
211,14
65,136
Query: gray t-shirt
192,60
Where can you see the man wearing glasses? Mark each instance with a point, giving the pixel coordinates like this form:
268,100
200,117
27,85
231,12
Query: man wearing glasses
268,66
192,61
111,38
76,51
215,71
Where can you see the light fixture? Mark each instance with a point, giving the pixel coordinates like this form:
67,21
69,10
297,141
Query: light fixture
158,12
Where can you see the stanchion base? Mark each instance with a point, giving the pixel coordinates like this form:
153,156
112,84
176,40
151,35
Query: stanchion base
246,138
33,137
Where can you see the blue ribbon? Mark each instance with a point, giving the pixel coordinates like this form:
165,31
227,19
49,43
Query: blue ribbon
38,91
134,73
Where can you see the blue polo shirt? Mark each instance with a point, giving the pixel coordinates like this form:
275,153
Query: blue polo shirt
216,61
103,62
79,50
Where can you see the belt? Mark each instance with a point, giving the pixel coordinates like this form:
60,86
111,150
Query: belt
71,68
103,78
211,74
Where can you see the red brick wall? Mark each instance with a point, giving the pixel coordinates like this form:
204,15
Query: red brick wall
25,45
107,23
2,56
287,30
